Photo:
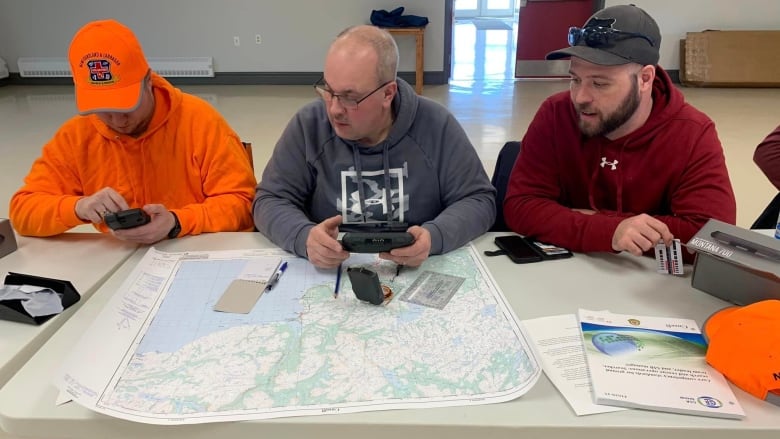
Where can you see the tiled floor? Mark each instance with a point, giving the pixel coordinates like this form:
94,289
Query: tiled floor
491,106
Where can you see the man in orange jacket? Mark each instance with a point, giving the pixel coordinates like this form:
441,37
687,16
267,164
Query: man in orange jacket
138,142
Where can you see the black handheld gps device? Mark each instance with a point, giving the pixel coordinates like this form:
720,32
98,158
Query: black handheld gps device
126,219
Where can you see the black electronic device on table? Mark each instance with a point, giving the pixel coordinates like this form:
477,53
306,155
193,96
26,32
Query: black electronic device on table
523,250
126,219
375,242
366,286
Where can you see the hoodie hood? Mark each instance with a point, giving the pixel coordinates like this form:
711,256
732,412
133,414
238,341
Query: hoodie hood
404,108
667,103
167,101
609,169
425,173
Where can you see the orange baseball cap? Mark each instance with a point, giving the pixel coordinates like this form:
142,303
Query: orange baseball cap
108,67
744,345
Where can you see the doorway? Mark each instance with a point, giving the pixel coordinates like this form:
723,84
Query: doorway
481,39
484,36
484,8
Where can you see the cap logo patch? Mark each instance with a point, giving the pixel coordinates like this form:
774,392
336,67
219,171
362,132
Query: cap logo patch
100,72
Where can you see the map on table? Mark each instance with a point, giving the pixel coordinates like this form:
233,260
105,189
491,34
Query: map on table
169,358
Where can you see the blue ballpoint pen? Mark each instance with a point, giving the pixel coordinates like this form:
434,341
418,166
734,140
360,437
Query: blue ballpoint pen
338,283
275,278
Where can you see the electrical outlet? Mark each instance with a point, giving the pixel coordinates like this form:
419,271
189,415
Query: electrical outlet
258,39
236,41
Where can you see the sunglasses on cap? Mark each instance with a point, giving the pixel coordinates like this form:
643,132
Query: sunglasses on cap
599,36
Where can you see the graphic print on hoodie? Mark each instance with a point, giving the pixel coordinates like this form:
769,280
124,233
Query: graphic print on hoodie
375,196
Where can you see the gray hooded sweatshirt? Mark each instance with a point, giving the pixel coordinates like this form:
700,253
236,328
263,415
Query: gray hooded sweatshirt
426,167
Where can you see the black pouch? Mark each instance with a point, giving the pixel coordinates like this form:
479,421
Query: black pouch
365,284
14,311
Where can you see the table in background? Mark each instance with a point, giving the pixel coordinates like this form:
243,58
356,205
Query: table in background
419,63
85,259
619,283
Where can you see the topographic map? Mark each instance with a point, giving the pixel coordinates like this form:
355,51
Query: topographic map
300,351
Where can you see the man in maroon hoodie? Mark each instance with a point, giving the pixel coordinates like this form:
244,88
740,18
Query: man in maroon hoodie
620,162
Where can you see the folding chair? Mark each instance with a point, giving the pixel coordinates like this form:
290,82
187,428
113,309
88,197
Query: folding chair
504,164
768,218
248,150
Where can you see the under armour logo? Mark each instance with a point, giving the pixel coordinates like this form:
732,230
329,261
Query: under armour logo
612,164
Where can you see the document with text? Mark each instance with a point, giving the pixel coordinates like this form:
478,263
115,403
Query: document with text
653,363
559,348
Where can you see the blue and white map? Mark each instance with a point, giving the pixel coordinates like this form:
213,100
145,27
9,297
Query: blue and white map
300,351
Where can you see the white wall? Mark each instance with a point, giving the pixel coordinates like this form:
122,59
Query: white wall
676,17
295,33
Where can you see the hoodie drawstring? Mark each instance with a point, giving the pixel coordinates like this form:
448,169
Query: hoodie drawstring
361,189
388,192
592,183
619,203
359,173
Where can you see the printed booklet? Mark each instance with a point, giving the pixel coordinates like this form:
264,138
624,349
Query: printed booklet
653,363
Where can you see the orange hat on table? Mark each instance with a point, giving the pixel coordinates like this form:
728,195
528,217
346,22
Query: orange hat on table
108,67
744,345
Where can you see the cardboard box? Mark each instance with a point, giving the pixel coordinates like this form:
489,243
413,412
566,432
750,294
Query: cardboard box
716,58
735,264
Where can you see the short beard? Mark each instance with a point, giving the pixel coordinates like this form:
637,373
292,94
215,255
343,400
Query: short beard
620,116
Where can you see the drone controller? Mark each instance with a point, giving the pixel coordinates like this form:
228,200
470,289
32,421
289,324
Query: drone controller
375,242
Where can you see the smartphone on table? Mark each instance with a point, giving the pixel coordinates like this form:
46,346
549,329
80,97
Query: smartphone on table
550,251
524,250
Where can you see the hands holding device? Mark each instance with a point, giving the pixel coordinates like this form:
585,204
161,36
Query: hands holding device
157,227
148,225
406,248
92,208
640,233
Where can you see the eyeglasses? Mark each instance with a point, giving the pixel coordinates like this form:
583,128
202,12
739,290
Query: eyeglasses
599,36
347,102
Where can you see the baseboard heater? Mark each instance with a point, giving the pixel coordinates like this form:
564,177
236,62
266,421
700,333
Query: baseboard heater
192,67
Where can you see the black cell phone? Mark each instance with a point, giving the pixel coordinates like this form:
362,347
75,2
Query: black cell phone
377,242
519,250
126,219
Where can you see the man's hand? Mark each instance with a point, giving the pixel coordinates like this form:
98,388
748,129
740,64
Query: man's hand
639,234
93,207
322,248
155,230
411,255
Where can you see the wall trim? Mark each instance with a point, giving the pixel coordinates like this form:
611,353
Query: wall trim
237,78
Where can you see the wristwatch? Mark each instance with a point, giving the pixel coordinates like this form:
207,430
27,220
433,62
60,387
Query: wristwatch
176,227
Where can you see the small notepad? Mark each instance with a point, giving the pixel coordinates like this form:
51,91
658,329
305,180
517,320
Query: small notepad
243,292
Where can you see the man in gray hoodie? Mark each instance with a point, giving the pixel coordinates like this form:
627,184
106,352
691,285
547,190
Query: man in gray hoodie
371,155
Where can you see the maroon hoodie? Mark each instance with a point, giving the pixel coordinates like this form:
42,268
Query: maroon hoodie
672,168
